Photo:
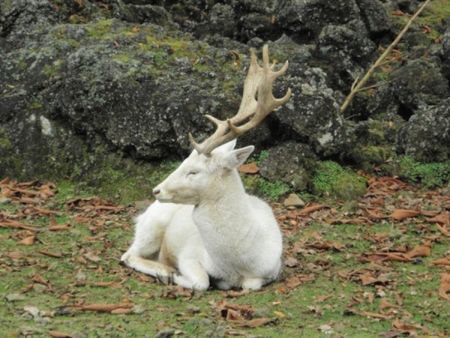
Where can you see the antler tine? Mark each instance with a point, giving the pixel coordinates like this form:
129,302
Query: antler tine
257,102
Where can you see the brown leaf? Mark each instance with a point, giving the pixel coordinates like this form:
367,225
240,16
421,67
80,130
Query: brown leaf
401,214
8,223
294,281
419,251
103,307
60,227
406,328
235,294
249,168
122,311
310,209
443,218
443,229
50,254
28,240
59,334
444,288
369,314
441,261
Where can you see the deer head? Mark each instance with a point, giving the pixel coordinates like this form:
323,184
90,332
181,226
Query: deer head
211,167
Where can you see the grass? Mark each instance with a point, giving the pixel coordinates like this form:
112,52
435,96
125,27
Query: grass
89,253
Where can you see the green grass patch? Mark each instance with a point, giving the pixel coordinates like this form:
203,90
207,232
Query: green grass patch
330,179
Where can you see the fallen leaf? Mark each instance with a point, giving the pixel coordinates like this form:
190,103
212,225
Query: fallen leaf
444,288
249,168
28,240
370,314
122,311
50,254
310,209
401,214
419,251
406,328
294,281
441,261
103,307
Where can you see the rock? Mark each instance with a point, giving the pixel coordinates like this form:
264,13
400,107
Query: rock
445,54
426,135
165,333
374,16
293,201
343,42
416,84
312,113
14,297
290,162
305,19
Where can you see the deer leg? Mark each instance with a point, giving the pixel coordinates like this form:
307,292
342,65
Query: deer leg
162,272
192,275
252,283
148,235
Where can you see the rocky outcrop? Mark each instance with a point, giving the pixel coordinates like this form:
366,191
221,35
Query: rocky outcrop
426,136
133,77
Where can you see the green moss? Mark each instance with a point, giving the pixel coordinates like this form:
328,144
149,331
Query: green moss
35,105
330,179
369,156
100,29
261,187
53,69
428,174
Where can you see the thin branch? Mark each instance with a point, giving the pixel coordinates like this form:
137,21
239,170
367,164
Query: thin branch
377,63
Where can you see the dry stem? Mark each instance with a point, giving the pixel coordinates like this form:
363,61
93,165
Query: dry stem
358,87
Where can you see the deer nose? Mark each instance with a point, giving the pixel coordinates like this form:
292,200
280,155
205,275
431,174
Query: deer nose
156,191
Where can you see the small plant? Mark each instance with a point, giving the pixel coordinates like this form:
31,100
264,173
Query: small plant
428,174
333,180
272,190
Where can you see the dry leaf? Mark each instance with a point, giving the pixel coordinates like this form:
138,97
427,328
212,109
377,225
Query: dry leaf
401,214
419,251
249,168
310,209
28,240
103,307
294,281
441,261
444,288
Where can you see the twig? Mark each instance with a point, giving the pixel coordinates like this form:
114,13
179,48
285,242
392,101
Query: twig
377,63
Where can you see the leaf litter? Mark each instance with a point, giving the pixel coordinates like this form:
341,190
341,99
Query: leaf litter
397,227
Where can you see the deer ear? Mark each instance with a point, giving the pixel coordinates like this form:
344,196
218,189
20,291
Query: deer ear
237,157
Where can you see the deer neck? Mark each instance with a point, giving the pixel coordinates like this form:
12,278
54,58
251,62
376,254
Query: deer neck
225,209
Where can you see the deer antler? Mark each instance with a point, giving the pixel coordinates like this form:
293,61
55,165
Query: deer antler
253,110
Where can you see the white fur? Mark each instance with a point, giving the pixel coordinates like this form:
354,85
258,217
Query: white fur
205,225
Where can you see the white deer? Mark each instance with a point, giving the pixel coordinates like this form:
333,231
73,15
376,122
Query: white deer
203,224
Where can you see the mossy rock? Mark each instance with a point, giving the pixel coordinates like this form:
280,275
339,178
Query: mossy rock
332,180
429,175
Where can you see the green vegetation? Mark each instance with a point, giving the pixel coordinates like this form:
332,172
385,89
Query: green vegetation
330,179
79,265
428,175
271,190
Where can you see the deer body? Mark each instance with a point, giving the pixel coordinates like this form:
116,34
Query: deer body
227,235
204,224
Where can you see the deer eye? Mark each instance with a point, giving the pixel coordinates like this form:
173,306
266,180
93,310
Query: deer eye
192,172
